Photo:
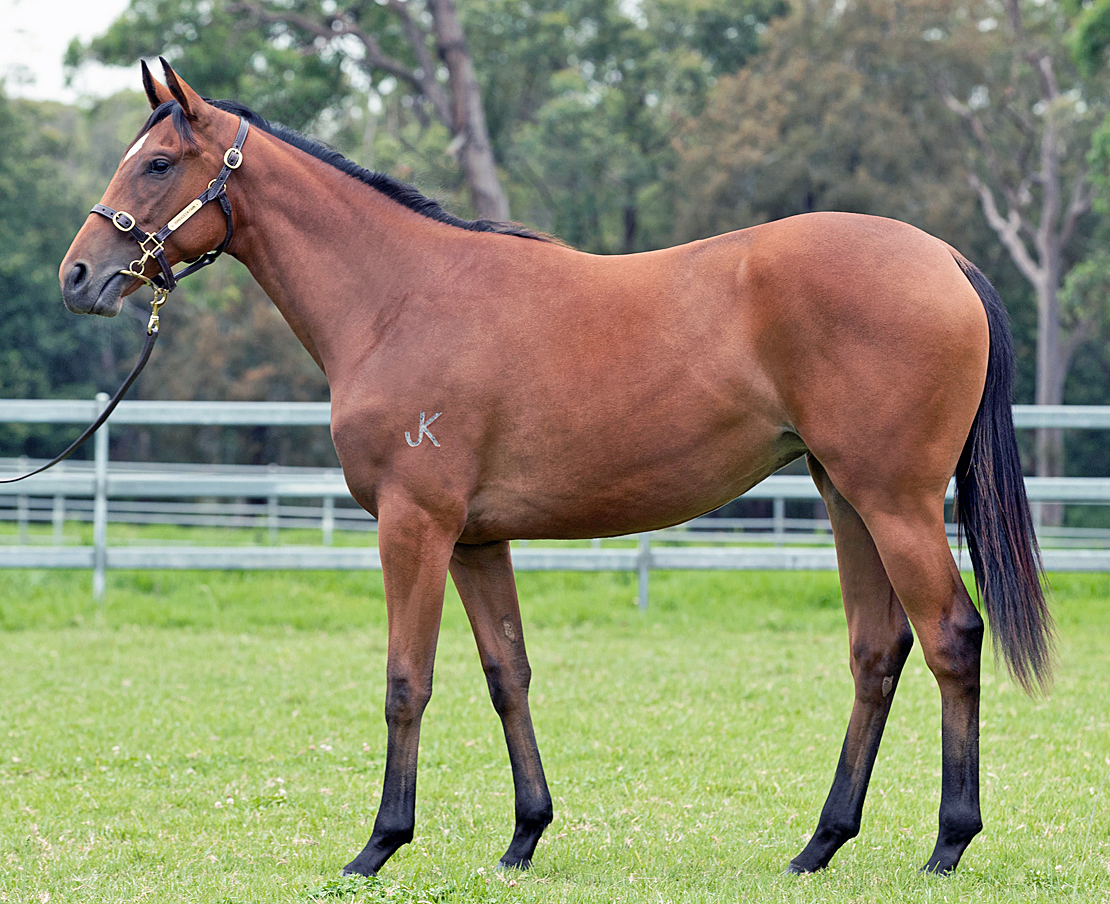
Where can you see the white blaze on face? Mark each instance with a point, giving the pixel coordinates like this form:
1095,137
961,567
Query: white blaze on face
135,147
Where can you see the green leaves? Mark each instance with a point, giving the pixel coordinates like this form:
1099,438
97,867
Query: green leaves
226,53
44,350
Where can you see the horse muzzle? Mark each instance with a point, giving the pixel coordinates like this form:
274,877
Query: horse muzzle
89,291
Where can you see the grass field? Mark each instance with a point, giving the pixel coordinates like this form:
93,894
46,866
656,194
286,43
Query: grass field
217,737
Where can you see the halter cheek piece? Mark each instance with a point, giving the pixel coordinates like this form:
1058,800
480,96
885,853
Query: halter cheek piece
152,244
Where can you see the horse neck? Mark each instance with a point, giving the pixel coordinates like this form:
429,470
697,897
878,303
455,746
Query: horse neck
332,253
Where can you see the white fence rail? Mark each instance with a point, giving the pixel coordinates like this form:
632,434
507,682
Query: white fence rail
99,491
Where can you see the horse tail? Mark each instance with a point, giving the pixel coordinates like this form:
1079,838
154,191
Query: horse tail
992,510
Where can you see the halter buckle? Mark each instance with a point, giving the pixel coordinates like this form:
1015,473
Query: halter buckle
119,224
233,158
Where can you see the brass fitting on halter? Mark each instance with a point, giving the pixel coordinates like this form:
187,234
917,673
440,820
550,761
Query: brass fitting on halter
159,299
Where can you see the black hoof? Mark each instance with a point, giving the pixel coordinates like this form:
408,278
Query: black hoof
937,869
352,869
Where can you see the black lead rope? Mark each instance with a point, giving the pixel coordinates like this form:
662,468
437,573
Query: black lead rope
148,347
151,244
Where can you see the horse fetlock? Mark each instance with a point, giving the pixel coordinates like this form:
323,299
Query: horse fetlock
534,816
525,838
829,837
957,829
388,838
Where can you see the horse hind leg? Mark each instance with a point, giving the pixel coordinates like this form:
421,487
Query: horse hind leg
483,576
918,560
880,640
905,519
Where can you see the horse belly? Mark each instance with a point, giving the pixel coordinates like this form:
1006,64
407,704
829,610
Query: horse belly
627,477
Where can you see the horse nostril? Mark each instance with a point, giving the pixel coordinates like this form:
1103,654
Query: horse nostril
76,276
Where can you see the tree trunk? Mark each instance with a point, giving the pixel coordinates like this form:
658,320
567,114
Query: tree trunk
1052,368
469,116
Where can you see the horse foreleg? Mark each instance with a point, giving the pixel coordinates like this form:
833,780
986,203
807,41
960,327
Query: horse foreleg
880,640
415,550
484,578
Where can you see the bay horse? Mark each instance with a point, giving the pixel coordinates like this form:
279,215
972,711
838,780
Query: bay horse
489,383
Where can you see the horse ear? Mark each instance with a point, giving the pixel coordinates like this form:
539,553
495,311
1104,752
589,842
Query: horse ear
191,102
156,92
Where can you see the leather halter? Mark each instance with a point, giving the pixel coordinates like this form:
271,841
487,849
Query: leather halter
152,244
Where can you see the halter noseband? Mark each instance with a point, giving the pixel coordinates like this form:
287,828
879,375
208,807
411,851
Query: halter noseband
152,244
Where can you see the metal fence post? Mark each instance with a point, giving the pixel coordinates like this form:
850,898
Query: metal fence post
100,502
58,516
273,511
327,520
22,508
643,567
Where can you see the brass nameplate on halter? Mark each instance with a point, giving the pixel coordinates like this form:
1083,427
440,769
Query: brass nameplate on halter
185,214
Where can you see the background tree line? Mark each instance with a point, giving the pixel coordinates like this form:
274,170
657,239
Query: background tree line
619,127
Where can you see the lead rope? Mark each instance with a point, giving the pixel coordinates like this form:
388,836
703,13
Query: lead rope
144,356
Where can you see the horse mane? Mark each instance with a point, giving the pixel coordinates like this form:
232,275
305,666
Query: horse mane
394,189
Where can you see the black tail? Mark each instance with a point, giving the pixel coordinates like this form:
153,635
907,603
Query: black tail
993,511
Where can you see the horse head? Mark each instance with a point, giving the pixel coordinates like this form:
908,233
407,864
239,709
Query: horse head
165,177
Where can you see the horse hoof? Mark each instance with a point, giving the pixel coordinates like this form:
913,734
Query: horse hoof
351,870
792,869
937,869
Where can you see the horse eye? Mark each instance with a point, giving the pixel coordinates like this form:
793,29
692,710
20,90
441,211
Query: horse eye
158,165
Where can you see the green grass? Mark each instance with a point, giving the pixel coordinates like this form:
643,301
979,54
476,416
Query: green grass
217,737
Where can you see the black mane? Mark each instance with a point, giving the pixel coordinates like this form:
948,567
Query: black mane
387,185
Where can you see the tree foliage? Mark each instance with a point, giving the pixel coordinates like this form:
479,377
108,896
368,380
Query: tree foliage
224,54
45,352
836,113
